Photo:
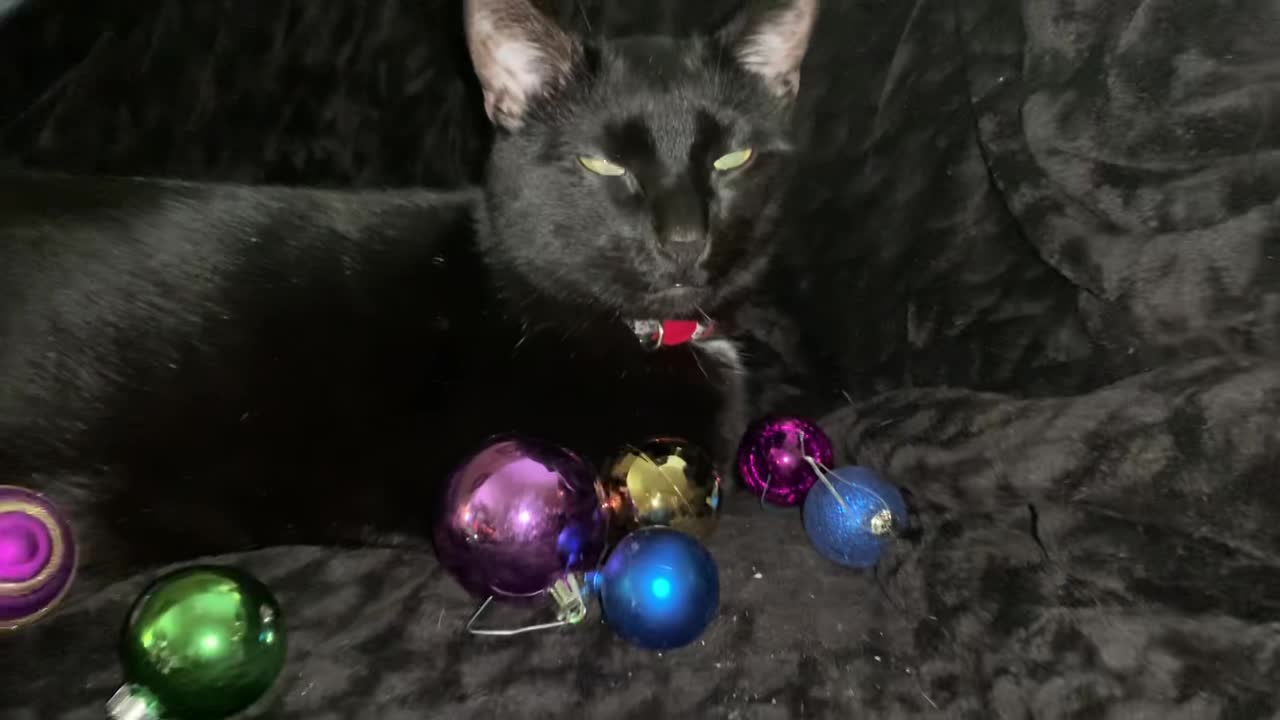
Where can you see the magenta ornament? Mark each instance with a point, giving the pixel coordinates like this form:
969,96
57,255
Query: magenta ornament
771,458
37,557
518,516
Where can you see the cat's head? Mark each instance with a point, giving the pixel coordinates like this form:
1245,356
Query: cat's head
642,175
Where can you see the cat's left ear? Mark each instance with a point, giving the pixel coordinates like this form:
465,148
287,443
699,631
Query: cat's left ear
518,53
770,40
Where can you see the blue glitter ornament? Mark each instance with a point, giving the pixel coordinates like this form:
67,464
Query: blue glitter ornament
659,588
853,532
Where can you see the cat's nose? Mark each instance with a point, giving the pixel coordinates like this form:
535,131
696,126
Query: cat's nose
679,214
685,246
685,236
686,254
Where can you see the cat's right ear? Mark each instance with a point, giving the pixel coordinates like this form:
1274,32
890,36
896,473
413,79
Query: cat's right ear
770,39
519,54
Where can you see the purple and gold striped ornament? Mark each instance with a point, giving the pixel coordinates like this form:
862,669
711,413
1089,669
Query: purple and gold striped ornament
37,557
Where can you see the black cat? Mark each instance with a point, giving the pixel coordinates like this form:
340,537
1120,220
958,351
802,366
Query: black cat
190,369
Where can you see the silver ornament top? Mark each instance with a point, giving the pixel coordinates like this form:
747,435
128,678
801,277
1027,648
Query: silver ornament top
130,704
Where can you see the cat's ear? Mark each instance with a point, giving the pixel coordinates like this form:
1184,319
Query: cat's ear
770,39
518,53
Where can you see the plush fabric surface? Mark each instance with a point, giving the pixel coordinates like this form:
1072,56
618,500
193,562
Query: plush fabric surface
1048,306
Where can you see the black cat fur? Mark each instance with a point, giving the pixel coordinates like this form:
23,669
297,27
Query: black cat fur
190,369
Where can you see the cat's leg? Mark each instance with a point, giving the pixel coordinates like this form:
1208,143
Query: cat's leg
732,418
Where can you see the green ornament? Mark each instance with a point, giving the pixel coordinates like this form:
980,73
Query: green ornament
201,643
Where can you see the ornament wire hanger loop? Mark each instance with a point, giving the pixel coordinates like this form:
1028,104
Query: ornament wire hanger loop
821,471
881,523
570,600
765,493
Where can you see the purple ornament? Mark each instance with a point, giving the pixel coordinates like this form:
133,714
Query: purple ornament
519,515
37,557
771,458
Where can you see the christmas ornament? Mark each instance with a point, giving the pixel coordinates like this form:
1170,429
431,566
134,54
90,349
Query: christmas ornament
667,482
851,519
774,458
37,557
201,643
659,589
518,516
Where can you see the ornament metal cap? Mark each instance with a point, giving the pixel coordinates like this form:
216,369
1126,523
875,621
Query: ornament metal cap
131,702
568,598
882,522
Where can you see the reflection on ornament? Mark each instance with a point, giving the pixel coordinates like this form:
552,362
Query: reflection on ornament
37,557
659,589
200,643
518,516
664,482
776,458
851,521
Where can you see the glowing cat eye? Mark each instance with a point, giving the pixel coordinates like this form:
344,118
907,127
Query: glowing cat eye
600,166
733,160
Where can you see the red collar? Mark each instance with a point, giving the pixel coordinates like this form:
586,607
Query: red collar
666,333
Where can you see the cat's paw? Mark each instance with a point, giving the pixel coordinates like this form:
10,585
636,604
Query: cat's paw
729,484
724,453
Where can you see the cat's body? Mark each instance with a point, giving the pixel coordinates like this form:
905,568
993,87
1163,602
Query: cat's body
216,367
191,369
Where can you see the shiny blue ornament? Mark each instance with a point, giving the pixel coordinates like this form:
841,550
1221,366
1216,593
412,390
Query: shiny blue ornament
659,588
853,534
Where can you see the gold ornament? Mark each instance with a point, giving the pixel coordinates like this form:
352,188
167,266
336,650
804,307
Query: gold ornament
667,482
